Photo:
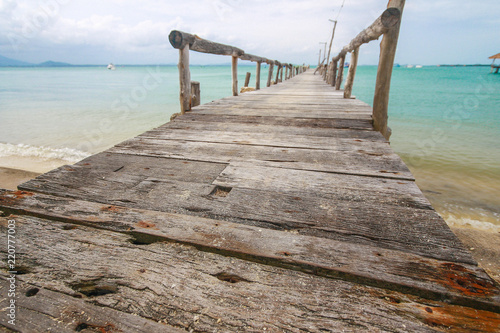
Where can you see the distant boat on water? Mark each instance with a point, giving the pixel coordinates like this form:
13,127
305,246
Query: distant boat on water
111,66
419,66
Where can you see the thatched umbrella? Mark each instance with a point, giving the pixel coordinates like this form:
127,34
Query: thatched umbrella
494,57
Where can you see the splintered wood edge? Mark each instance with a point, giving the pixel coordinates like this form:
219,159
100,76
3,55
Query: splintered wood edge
457,283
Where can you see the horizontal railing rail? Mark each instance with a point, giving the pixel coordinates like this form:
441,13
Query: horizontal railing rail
186,42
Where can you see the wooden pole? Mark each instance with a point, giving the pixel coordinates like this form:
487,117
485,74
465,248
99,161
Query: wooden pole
341,73
330,49
234,70
270,76
180,39
184,79
247,79
384,72
334,73
277,74
351,73
195,93
257,76
281,74
319,59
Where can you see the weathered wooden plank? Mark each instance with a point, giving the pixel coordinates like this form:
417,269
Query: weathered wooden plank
356,163
282,111
129,278
272,138
354,126
42,310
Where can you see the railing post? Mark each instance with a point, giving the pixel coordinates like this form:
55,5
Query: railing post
277,73
351,73
257,76
270,76
196,93
384,73
281,74
247,79
341,73
184,79
234,70
334,73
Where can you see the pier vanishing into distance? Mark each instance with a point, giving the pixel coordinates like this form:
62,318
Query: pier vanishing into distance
282,209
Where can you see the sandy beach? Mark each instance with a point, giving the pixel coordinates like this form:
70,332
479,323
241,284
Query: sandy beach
484,245
11,178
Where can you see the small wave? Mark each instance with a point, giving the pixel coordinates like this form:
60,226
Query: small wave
45,153
455,221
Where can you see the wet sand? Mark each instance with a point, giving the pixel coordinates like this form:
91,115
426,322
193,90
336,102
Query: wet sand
484,245
11,178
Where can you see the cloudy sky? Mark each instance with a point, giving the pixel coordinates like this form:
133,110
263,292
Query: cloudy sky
136,32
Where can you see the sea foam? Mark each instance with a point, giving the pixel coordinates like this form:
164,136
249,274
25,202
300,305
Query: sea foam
46,153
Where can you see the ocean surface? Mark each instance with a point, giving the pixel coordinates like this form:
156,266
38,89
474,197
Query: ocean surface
445,122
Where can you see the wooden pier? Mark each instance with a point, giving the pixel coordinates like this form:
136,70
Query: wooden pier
277,210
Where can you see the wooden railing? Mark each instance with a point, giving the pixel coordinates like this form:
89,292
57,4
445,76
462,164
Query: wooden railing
388,25
190,90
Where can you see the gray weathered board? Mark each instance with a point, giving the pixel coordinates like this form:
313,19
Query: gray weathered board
278,210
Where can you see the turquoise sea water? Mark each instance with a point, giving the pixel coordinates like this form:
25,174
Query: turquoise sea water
445,120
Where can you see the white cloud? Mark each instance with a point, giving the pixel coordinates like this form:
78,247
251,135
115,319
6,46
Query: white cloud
286,30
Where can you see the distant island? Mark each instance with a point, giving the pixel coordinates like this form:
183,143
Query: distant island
8,62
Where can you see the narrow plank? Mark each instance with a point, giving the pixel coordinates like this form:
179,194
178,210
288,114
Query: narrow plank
271,139
221,126
348,125
370,163
283,111
42,310
145,273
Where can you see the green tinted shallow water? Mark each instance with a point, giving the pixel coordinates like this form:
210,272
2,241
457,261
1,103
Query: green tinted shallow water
445,120
446,126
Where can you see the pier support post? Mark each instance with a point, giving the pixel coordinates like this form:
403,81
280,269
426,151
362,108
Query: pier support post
351,73
195,93
270,76
184,79
338,83
384,73
247,79
276,81
257,76
334,73
234,70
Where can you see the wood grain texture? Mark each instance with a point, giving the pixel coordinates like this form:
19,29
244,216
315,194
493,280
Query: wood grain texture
178,285
362,264
44,310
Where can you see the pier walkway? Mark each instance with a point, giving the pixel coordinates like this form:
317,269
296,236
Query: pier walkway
280,210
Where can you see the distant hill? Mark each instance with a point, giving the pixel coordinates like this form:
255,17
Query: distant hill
53,64
6,62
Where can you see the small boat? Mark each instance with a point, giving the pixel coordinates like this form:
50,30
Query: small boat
111,66
419,66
